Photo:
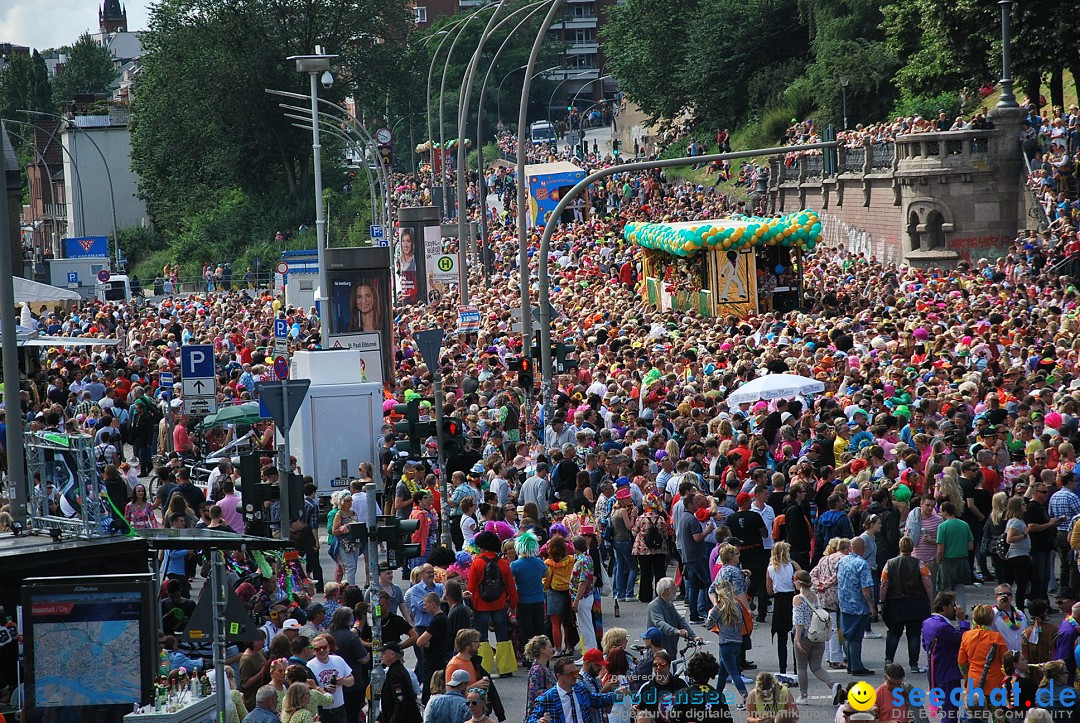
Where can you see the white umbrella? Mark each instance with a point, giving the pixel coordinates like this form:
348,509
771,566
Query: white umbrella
775,386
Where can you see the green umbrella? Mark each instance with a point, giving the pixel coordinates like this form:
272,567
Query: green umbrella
246,413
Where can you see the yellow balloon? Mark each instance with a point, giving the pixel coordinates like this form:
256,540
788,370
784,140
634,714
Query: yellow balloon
277,304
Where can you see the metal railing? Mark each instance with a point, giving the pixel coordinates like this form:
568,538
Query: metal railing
1037,210
882,155
854,159
189,285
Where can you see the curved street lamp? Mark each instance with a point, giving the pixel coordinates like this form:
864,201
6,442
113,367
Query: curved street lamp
108,173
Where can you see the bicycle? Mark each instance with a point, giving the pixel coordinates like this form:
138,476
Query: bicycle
678,666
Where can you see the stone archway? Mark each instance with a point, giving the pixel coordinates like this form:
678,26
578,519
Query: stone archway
928,223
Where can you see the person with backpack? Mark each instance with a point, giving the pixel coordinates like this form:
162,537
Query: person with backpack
813,627
834,523
651,535
494,599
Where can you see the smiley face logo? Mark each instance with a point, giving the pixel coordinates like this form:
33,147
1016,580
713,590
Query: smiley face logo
862,697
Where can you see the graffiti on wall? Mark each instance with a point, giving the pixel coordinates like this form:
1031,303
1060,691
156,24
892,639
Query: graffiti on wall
974,247
836,231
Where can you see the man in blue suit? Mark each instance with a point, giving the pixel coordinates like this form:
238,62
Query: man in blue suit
569,701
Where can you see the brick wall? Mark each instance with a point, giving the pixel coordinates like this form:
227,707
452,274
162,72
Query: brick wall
874,229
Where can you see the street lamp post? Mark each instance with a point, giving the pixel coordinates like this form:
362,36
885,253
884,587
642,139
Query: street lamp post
442,96
315,66
74,167
108,173
498,91
1007,99
560,84
568,198
463,114
843,92
522,209
348,118
485,252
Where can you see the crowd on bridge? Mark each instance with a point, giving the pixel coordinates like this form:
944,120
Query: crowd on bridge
939,458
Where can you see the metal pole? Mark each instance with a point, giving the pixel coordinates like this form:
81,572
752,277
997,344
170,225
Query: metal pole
13,442
378,675
485,252
444,520
522,209
285,469
431,71
379,170
108,173
320,222
74,165
545,240
498,91
442,94
560,84
463,115
218,600
328,127
1007,99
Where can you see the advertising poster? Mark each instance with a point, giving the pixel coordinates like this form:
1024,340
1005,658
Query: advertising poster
361,312
441,269
407,266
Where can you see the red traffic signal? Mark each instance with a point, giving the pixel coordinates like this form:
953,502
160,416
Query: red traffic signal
526,365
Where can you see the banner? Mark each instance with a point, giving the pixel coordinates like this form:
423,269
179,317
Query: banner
468,319
86,247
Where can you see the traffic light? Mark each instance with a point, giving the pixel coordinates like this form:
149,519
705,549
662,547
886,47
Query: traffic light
526,378
453,436
615,147
412,428
395,543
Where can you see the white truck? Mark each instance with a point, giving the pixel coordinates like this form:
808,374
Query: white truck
340,422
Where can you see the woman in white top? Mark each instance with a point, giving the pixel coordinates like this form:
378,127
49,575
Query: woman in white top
780,584
808,654
468,521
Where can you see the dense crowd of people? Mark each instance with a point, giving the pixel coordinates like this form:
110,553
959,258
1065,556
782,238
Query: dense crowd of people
940,457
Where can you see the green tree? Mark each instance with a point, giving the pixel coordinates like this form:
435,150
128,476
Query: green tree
203,125
89,69
24,85
645,44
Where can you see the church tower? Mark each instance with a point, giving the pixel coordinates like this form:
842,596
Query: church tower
112,18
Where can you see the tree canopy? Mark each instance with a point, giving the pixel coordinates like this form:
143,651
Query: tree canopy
731,61
89,69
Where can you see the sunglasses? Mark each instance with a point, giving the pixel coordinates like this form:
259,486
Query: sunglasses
320,647
474,702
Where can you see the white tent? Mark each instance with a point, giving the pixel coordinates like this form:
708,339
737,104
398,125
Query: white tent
775,386
31,292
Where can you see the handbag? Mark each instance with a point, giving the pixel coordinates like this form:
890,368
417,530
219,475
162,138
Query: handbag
335,546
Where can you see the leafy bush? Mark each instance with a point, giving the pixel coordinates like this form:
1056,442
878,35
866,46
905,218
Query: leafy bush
927,106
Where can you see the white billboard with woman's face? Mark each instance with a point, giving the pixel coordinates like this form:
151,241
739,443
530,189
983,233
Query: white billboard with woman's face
361,307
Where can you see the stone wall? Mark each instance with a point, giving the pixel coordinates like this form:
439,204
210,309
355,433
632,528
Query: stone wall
929,199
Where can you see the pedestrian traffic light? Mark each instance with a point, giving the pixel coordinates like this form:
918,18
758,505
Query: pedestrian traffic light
526,379
453,433
615,147
394,536
411,428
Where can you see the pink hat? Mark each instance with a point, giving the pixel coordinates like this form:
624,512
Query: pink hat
1052,420
623,493
853,494
761,406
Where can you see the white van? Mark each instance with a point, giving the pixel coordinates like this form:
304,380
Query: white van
117,288
542,132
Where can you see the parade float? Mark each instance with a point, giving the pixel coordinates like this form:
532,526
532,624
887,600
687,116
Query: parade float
740,265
